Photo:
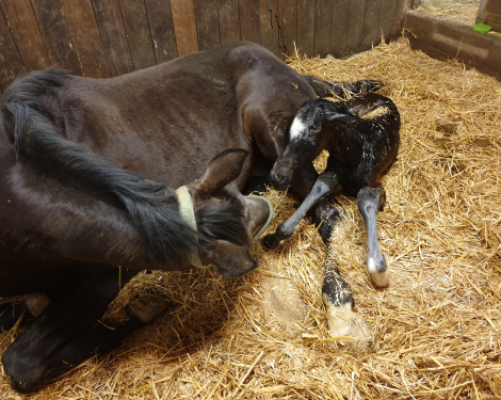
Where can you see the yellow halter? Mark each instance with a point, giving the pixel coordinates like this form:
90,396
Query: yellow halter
187,212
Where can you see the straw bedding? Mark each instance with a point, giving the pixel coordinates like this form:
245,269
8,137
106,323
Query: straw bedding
436,329
464,11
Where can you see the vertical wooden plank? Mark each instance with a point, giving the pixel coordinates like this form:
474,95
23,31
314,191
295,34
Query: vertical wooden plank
324,10
305,27
52,19
229,20
183,15
162,29
10,62
398,16
25,31
207,24
287,25
249,20
268,26
138,33
388,11
340,28
371,32
113,38
84,31
356,24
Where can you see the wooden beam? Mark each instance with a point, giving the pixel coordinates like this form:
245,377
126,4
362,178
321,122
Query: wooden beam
52,19
183,15
306,27
207,24
162,29
229,20
113,37
287,25
268,25
26,34
138,33
11,66
85,34
249,20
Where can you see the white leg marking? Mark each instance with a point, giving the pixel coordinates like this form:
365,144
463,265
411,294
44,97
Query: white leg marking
36,303
380,279
343,321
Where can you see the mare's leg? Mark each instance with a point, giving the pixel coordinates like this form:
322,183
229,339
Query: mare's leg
68,331
369,200
337,295
324,185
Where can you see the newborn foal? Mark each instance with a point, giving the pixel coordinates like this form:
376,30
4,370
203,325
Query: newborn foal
361,152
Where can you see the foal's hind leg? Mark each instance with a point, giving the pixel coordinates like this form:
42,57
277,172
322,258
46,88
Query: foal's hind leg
369,200
337,295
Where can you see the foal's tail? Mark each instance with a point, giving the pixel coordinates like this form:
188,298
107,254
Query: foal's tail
342,89
31,127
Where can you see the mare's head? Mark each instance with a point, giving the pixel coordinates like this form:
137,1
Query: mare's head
227,222
308,136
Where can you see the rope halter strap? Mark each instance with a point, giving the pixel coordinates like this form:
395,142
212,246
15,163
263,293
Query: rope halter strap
187,212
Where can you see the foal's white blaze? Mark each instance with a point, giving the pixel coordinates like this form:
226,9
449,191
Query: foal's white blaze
297,128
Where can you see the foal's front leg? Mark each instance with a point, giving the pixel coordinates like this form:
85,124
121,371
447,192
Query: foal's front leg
324,185
369,200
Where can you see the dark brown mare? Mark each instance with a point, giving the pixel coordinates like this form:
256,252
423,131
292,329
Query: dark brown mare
85,165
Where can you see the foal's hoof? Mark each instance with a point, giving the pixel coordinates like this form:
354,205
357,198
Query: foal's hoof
271,241
346,323
378,272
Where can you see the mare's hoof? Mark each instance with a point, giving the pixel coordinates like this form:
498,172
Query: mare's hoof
271,241
347,325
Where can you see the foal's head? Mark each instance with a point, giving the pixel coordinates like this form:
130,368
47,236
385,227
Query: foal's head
227,222
308,136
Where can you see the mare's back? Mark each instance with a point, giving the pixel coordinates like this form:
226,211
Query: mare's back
180,113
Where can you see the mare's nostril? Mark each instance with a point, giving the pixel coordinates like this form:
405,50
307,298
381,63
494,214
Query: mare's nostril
281,178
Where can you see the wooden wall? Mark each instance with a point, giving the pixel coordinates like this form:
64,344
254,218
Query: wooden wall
103,38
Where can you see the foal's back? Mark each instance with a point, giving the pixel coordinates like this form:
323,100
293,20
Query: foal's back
363,149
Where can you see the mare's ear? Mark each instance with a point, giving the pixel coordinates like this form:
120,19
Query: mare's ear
231,260
221,170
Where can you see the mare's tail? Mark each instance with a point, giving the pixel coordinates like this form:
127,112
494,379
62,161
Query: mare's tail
342,89
31,124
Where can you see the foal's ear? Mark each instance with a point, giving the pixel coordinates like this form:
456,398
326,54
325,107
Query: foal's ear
231,260
221,170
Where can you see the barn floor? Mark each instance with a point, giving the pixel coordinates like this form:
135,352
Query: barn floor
436,329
